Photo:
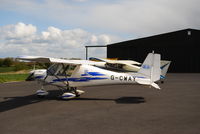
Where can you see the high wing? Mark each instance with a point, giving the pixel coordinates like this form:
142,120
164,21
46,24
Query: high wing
127,65
115,61
42,59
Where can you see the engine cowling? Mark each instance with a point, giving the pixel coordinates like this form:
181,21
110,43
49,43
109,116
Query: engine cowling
37,74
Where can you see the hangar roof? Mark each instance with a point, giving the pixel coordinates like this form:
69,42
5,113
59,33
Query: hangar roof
174,37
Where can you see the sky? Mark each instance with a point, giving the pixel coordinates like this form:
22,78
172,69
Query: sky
61,28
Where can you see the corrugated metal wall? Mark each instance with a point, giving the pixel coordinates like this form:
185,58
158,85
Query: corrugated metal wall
181,47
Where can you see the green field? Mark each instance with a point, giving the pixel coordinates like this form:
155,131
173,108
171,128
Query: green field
6,69
12,77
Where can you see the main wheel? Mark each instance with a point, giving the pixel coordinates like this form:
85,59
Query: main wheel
68,95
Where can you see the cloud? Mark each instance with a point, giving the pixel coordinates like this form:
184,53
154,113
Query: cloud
144,17
19,30
23,39
128,17
80,0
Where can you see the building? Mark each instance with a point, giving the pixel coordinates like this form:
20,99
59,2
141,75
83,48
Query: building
181,47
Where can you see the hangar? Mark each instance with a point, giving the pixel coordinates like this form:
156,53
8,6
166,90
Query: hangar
181,47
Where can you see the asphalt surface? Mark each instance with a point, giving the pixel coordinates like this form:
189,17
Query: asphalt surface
119,109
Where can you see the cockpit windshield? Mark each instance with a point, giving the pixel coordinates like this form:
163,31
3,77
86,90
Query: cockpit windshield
61,69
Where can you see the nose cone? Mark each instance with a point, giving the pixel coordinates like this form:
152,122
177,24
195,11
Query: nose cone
39,74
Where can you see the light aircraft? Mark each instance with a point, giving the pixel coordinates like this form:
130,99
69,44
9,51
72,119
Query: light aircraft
130,65
68,75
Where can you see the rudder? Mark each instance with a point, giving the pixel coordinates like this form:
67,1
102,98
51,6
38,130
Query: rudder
151,67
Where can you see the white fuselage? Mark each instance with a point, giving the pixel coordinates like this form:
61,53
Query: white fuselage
87,75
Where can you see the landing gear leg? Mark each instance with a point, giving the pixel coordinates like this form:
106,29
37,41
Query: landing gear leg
41,93
74,90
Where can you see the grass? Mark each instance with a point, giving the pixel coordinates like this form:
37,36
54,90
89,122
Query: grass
12,77
6,69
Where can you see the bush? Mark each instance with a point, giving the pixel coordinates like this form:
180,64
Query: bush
20,66
7,62
1,62
11,63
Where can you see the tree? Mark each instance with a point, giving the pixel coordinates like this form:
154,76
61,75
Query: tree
1,62
7,62
20,66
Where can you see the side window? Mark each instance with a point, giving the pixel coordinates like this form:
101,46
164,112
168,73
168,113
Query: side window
52,69
70,70
61,69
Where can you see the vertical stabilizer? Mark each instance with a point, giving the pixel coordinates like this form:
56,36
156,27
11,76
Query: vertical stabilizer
151,67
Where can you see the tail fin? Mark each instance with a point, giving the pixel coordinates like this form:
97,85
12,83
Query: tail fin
164,68
151,69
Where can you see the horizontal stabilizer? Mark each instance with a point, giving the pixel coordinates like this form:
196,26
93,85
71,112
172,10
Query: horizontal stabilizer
147,82
155,86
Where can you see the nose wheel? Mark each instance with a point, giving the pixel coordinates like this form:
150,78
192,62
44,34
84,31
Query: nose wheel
41,93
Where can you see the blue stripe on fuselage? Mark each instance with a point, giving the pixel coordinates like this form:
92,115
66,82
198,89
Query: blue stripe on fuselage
81,79
92,74
39,77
